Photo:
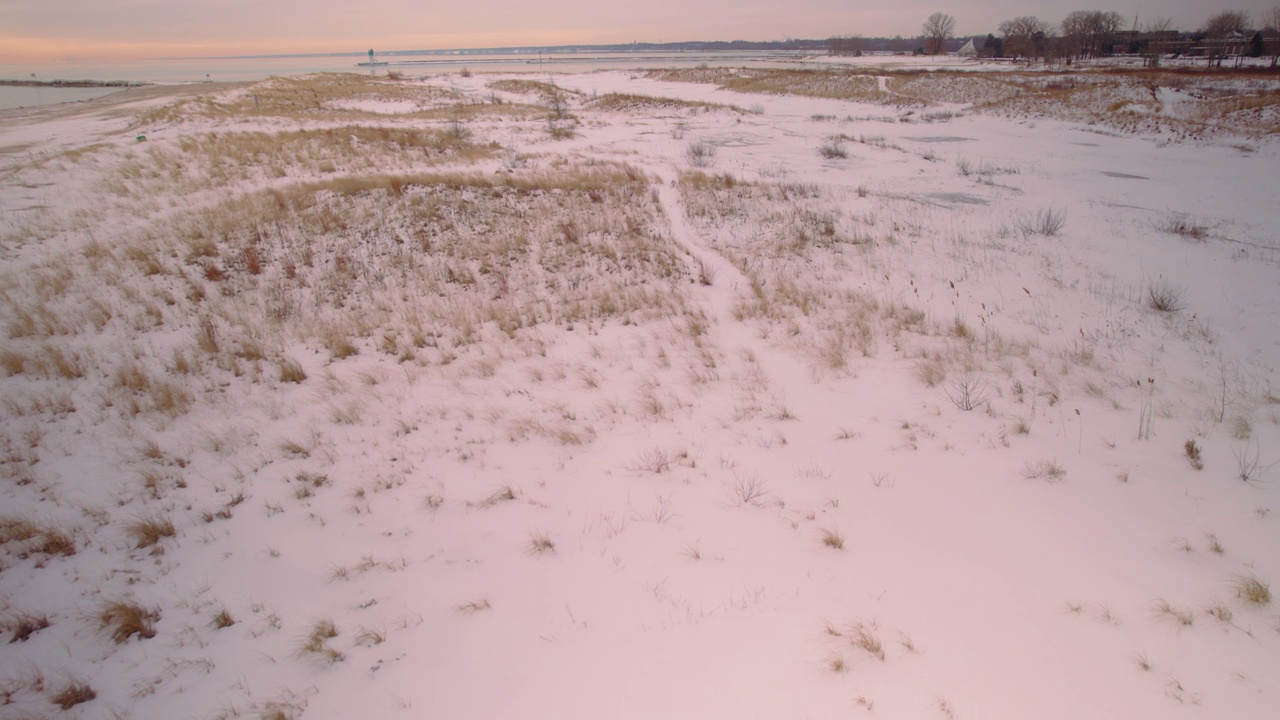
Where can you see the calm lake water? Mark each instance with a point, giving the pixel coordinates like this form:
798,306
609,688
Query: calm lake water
179,70
257,68
21,96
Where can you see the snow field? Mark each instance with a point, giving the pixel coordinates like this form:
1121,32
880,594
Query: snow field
494,397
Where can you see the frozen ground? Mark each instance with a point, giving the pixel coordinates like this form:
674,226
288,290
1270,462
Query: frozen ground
699,394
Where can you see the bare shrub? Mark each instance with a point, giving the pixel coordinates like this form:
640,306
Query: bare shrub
1163,296
1249,464
654,460
967,391
706,273
1047,222
1186,227
561,128
1048,470
832,538
558,105
701,154
748,490
833,149
541,543
512,159
457,129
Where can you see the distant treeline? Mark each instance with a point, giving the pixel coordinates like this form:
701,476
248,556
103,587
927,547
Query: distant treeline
1086,34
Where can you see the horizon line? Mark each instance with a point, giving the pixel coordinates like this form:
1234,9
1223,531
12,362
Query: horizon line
508,48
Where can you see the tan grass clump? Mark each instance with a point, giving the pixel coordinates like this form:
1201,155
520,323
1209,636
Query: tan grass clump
865,638
24,625
124,619
225,160
541,543
73,694
545,91
316,643
1252,590
626,102
316,96
32,537
148,531
836,84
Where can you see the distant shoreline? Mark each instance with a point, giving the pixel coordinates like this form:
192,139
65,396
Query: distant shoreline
74,83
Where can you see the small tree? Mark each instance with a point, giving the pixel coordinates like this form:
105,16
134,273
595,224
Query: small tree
1225,23
1271,43
937,29
1026,36
1221,27
993,47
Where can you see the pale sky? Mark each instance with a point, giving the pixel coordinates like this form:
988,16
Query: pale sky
85,29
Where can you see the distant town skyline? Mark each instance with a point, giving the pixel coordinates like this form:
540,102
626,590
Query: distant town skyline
44,29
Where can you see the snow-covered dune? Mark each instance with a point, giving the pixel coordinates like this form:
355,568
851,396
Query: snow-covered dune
690,394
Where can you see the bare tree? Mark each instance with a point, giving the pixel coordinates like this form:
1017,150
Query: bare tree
1271,19
1075,30
1159,30
1271,45
937,29
1225,23
1089,33
1026,36
1222,27
1106,26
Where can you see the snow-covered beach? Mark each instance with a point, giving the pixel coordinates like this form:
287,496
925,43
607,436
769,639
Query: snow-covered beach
701,393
